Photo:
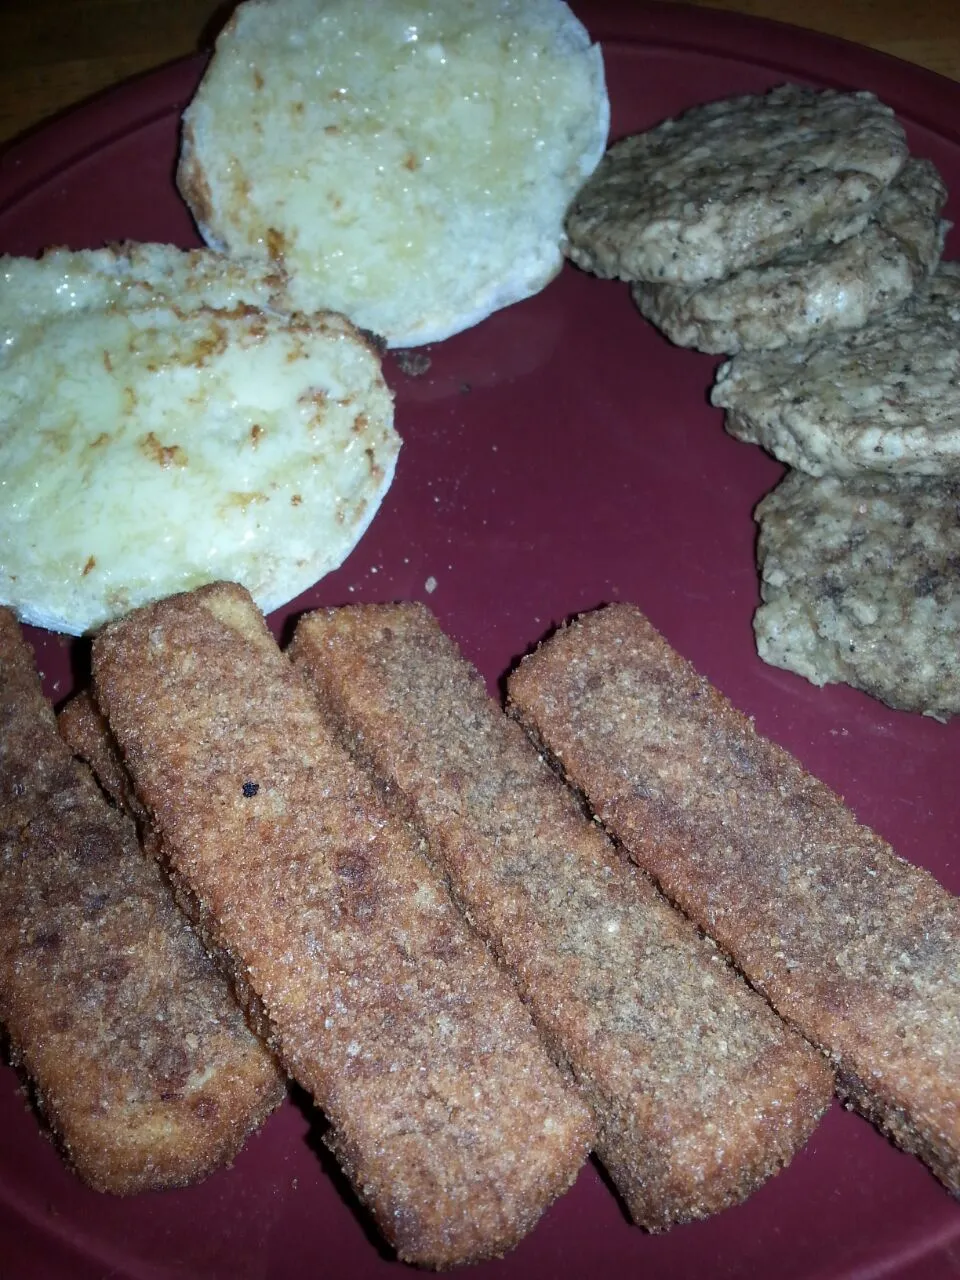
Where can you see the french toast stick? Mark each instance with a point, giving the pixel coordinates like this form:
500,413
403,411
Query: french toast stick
700,1092
851,944
137,1053
84,728
447,1115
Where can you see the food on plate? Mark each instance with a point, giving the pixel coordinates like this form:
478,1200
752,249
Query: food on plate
162,426
447,1115
84,728
859,583
408,164
136,1052
70,282
884,398
735,183
813,290
699,1090
857,948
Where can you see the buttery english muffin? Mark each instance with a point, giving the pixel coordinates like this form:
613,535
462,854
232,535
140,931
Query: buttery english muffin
162,426
408,164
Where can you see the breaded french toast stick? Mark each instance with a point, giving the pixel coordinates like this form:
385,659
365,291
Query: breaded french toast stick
856,947
447,1114
699,1090
84,728
137,1053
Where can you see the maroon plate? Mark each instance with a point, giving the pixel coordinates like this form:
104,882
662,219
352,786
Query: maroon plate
559,455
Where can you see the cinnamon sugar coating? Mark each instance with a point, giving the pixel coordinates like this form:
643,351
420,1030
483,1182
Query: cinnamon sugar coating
699,1090
137,1053
853,945
446,1113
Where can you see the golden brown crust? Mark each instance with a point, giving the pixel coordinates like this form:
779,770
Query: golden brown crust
139,1056
699,1090
448,1116
192,182
84,728
852,944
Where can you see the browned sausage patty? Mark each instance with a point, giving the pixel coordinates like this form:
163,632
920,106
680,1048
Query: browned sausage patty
816,289
730,184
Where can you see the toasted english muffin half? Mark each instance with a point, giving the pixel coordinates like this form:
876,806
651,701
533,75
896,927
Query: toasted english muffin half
163,426
409,164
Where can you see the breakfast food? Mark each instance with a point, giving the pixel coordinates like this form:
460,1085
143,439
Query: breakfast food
859,584
856,947
813,290
699,1091
407,164
884,398
161,428
734,183
136,1052
81,717
448,1117
84,728
127,276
